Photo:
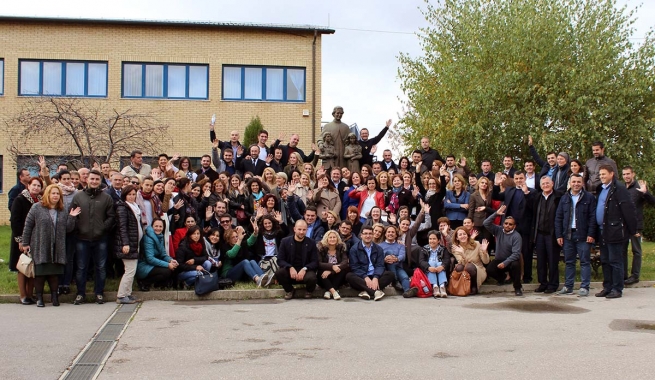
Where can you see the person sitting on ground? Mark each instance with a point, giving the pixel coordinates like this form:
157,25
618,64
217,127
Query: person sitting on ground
508,250
332,264
192,256
213,245
473,256
435,261
264,243
368,274
155,266
298,261
237,262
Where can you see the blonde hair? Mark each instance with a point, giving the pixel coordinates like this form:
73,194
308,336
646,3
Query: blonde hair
470,242
46,202
324,241
272,171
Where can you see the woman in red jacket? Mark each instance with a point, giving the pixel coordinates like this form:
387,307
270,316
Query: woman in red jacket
368,198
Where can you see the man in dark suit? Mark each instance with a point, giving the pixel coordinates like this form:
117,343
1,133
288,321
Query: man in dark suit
335,177
114,191
206,169
387,162
252,163
291,148
508,166
298,261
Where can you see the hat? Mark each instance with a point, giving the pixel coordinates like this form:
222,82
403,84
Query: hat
565,155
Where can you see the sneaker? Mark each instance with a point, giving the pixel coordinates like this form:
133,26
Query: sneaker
327,295
583,292
124,301
289,295
100,299
411,292
518,292
364,295
443,292
435,292
378,295
336,295
78,300
566,291
133,298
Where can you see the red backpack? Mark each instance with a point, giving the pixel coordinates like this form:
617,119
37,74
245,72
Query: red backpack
420,281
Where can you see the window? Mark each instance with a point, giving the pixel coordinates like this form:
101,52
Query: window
168,81
62,78
274,84
2,76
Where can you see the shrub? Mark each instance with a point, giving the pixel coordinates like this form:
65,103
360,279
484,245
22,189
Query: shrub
250,136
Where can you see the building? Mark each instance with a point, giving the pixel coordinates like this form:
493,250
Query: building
183,71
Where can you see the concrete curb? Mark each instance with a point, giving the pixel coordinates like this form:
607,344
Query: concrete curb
251,294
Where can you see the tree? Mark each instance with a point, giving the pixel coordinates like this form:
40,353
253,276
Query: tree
74,129
564,71
251,134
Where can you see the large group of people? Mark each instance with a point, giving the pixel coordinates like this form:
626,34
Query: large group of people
272,214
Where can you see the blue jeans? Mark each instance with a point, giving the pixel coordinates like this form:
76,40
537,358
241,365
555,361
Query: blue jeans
85,250
611,258
400,274
189,277
572,249
249,267
66,278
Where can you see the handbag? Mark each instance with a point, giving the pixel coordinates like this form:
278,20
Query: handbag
205,282
460,282
25,265
241,216
224,283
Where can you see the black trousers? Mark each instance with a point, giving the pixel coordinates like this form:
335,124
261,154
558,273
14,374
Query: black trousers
514,269
158,276
284,278
359,283
334,280
527,250
547,262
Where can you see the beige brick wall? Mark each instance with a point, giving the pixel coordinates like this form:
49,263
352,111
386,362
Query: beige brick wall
188,119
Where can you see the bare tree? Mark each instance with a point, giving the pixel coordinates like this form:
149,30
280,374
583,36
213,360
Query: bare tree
74,129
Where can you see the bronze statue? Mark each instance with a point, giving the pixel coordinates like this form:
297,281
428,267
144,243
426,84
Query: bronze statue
328,153
339,132
352,153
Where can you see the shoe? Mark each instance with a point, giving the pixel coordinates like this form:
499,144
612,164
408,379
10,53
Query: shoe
54,297
27,301
435,292
364,295
565,291
527,280
39,300
540,289
124,301
442,290
78,300
518,292
612,294
602,293
289,295
550,291
133,298
327,295
411,292
308,295
378,295
336,295
631,280
100,299
583,292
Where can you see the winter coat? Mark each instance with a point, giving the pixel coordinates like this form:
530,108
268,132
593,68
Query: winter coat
20,207
47,242
153,253
127,232
619,221
341,254
326,200
585,217
185,253
640,199
97,217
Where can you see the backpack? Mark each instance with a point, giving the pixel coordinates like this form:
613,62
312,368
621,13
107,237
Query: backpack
420,281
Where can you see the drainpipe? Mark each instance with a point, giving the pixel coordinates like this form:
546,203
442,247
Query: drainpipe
314,87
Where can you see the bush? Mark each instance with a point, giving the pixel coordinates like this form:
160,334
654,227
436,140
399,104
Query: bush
649,223
250,136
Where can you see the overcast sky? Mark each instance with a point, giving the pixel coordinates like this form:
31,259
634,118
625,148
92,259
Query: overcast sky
359,61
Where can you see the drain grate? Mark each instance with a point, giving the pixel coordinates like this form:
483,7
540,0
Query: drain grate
95,353
82,372
110,333
120,318
127,308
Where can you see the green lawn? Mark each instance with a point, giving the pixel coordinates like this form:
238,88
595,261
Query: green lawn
8,279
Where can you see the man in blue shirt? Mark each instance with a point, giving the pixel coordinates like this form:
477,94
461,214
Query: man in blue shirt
368,274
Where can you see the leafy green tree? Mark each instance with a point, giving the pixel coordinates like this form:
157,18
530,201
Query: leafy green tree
251,134
564,71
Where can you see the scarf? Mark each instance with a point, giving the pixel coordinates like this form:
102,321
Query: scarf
67,190
33,199
258,196
196,247
396,190
137,212
154,200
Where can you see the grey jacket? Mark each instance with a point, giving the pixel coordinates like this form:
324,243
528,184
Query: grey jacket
47,242
508,245
593,167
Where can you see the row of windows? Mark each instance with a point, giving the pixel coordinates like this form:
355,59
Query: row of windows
158,81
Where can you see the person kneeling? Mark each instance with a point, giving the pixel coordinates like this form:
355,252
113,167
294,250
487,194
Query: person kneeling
298,260
367,266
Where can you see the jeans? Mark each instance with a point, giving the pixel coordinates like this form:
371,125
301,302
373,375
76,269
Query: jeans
611,259
636,257
189,277
401,275
572,249
66,278
249,267
436,279
85,250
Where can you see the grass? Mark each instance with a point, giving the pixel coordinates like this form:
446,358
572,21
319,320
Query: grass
8,279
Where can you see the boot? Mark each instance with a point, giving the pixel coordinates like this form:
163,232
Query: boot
39,300
55,299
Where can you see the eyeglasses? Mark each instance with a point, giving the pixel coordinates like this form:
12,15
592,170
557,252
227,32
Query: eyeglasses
134,183
225,221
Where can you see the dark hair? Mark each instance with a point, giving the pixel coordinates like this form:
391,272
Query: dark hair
213,231
609,168
155,220
598,143
453,156
628,167
182,182
263,131
135,152
148,178
276,225
93,171
435,233
311,208
417,151
21,170
330,184
206,155
366,227
185,158
191,231
62,172
347,222
518,172
163,155
551,153
127,190
265,199
530,161
485,160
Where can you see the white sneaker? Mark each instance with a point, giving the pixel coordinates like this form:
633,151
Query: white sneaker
326,295
336,295
442,290
364,295
378,295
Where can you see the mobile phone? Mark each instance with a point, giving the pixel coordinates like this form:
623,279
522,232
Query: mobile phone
213,119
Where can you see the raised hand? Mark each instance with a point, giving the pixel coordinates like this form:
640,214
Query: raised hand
374,149
178,205
388,123
501,210
315,148
269,158
255,226
176,156
643,186
42,163
392,218
215,144
209,213
75,211
462,162
498,179
484,245
529,140
240,150
442,170
282,137
474,234
278,216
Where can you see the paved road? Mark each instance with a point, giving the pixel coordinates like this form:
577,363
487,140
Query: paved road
490,337
40,343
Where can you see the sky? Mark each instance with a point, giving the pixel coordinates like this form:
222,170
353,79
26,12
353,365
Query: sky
360,61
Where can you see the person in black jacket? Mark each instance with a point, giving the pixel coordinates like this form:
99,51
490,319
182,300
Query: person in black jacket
290,148
367,144
183,205
615,215
369,282
192,256
129,233
298,261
